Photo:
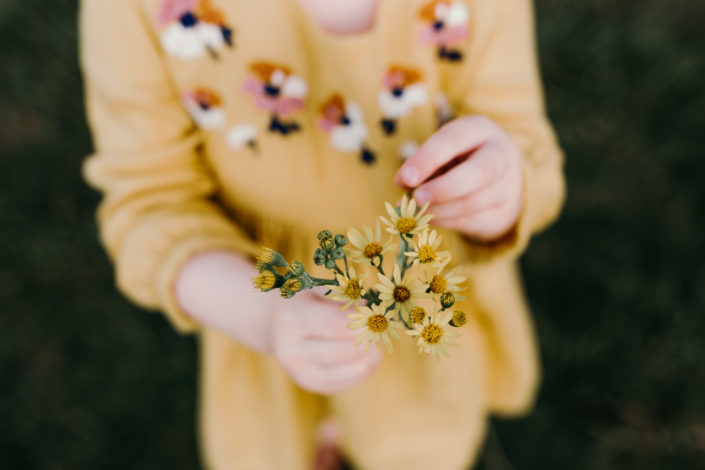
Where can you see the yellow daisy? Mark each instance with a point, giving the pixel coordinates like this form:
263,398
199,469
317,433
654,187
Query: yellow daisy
403,293
349,289
377,326
368,247
408,222
436,283
435,334
426,251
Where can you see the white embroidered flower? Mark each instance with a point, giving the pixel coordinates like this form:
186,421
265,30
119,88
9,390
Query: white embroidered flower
241,136
212,118
453,13
350,137
399,102
444,110
407,149
292,86
192,42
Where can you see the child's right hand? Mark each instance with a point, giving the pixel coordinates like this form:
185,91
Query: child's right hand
307,334
311,341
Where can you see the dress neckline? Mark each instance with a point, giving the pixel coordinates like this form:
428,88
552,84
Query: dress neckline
326,38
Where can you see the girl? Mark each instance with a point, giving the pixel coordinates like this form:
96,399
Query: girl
224,125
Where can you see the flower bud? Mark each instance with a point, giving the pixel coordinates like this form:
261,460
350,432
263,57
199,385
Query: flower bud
294,284
327,243
447,300
338,253
319,257
324,234
418,315
286,293
341,240
296,268
459,318
265,281
268,257
330,263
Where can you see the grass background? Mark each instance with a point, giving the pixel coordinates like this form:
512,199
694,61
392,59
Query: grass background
617,286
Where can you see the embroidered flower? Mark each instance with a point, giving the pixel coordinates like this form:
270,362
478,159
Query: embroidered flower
446,25
368,248
407,149
241,136
377,326
278,91
344,124
205,107
192,28
402,91
435,334
444,110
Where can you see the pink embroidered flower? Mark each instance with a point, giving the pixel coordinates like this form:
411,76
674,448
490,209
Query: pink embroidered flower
205,107
192,29
446,25
346,129
277,91
402,91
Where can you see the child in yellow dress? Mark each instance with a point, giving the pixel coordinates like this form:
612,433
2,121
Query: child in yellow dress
224,125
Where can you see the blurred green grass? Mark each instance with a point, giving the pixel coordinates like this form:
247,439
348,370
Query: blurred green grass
617,286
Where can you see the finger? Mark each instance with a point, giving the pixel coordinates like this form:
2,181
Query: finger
484,167
327,352
336,379
458,137
486,225
478,201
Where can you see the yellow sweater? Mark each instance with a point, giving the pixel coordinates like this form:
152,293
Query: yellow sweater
232,124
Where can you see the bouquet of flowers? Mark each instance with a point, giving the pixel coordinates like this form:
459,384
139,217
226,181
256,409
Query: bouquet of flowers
416,296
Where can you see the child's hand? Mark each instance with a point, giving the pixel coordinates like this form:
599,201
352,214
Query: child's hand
481,196
311,341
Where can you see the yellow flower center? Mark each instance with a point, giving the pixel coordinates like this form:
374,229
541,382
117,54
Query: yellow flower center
406,224
432,333
418,315
426,254
353,289
372,250
401,294
377,323
438,284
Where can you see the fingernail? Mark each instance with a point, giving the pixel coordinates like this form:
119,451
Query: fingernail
410,175
422,196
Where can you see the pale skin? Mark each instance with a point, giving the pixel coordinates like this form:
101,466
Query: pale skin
480,197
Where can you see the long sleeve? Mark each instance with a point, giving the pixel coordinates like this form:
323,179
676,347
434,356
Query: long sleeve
501,81
157,209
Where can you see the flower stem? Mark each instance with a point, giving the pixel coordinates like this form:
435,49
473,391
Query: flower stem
324,282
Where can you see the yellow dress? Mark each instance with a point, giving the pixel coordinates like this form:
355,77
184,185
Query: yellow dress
232,124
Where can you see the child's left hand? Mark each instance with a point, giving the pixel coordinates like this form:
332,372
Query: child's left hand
482,195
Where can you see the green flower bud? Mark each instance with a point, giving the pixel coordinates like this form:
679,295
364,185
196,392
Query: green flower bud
447,299
296,268
327,243
286,293
268,257
324,234
338,253
319,257
330,263
341,240
293,285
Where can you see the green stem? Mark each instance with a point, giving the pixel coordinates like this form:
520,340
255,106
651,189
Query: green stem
401,257
324,282
345,259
